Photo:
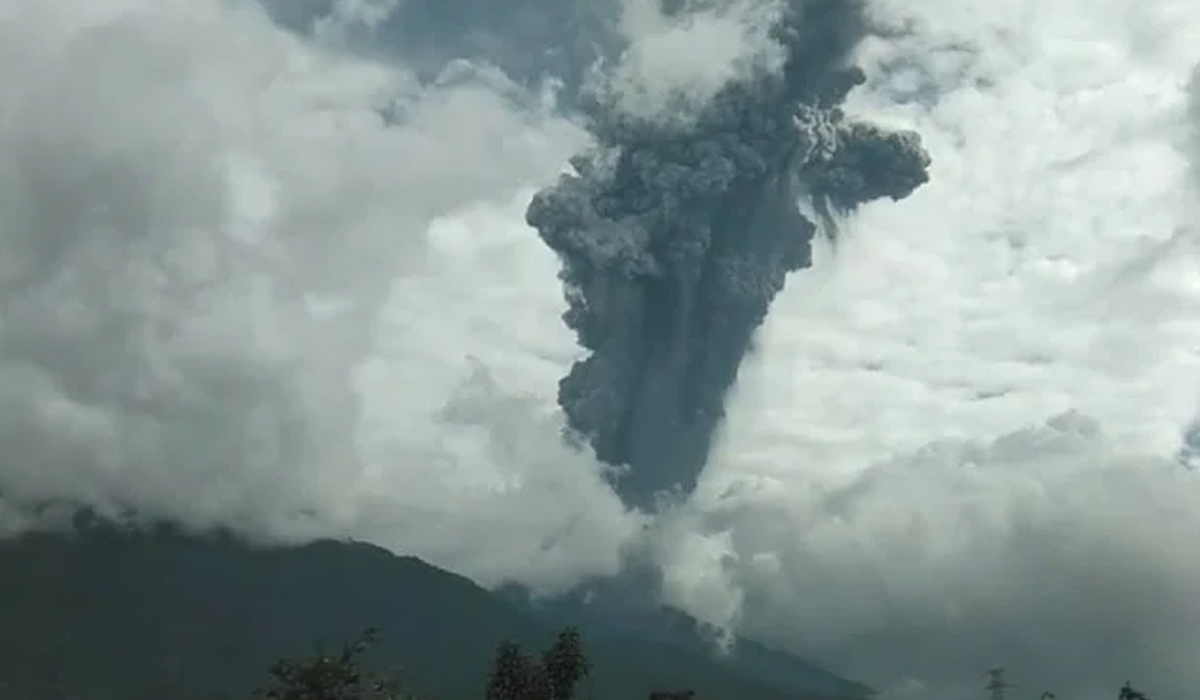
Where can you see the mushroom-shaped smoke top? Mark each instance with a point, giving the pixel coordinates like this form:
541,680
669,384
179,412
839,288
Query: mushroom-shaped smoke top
676,234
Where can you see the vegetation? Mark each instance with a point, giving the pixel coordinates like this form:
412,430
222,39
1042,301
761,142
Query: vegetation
201,617
110,614
1128,693
331,677
997,689
515,675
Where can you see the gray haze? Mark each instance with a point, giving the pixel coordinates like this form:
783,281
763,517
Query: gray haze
677,232
533,41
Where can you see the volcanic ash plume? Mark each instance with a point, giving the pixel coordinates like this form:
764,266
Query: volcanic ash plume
676,234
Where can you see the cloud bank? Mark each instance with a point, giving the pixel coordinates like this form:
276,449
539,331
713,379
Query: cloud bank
225,247
982,456
278,279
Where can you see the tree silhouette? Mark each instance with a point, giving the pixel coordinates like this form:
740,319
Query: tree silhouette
330,677
515,675
556,675
565,665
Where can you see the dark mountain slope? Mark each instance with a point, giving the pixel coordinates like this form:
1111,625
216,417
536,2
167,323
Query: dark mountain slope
107,614
603,611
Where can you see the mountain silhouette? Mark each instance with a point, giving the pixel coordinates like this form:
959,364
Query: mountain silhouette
114,613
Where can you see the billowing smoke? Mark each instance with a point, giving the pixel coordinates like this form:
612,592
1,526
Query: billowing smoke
677,232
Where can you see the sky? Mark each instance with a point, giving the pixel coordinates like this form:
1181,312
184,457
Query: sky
277,278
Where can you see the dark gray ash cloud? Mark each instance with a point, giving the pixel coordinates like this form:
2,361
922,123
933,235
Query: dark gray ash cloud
677,233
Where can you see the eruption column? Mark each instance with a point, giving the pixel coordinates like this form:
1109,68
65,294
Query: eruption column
676,234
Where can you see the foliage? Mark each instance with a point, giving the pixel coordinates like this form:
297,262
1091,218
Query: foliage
1128,693
516,675
331,676
555,676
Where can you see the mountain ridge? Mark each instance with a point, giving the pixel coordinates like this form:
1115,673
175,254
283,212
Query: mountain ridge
110,613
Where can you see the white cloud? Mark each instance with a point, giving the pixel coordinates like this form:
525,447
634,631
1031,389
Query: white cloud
676,63
902,509
1193,132
349,20
1051,550
203,220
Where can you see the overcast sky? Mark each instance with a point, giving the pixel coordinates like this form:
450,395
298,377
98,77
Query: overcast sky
232,291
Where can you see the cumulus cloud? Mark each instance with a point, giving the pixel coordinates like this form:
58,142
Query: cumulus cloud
1193,120
203,220
678,55
1050,551
958,445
